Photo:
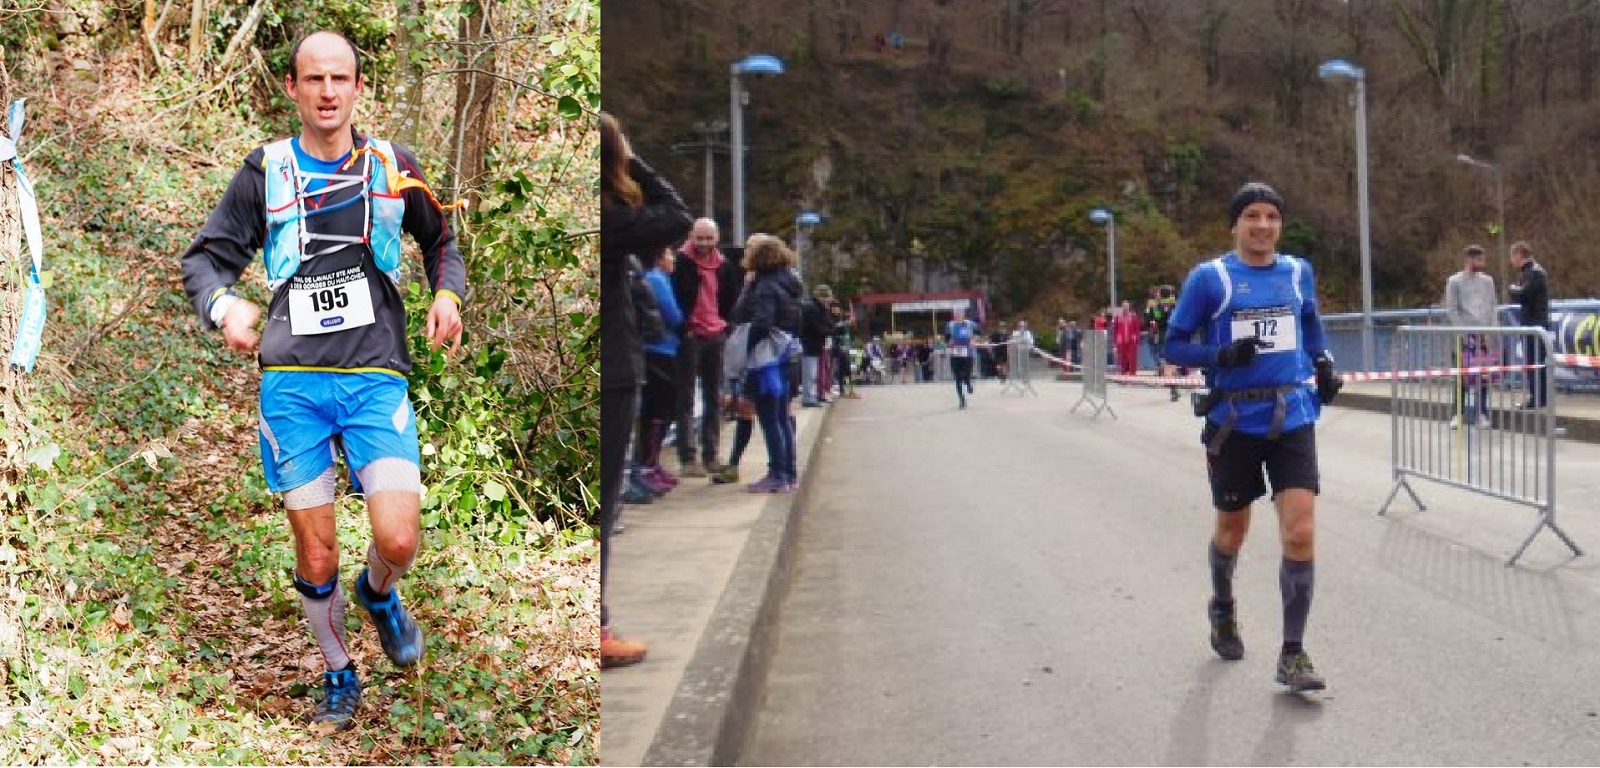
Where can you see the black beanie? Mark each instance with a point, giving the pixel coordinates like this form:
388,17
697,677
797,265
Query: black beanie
1252,192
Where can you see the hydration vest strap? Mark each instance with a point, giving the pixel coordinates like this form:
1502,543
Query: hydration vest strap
1280,412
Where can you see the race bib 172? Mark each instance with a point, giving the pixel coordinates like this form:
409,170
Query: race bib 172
1274,326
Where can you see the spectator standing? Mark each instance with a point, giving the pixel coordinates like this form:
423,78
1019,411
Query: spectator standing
658,403
639,212
1533,296
1125,337
816,326
771,305
706,283
1469,302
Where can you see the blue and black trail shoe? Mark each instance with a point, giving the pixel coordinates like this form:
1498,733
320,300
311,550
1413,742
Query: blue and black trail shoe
341,694
399,635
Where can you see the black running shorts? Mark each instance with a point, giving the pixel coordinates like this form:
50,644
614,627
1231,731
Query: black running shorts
1236,471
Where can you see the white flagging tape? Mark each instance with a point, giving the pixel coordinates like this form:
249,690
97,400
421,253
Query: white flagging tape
25,351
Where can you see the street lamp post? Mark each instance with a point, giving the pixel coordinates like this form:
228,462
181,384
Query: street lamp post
1336,69
802,237
1109,221
754,64
1500,225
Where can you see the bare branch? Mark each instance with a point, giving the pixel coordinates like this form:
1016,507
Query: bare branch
242,37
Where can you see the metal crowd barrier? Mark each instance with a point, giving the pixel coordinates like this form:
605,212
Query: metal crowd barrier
1095,344
1460,416
1019,370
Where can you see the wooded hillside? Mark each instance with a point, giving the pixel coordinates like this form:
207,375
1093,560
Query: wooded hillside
978,147
147,614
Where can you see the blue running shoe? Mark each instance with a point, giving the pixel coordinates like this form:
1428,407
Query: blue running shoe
401,639
341,694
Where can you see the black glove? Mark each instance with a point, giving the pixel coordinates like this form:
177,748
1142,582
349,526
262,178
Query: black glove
1239,353
1328,382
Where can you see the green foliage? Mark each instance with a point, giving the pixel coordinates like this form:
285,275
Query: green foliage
1003,90
1299,238
506,441
573,74
365,24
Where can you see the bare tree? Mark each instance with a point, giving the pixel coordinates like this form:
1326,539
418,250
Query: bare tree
197,35
476,87
407,108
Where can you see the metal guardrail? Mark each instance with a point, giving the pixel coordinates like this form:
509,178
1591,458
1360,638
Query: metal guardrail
1019,368
1095,347
1472,408
1575,326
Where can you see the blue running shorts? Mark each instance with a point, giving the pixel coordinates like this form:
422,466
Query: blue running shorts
302,412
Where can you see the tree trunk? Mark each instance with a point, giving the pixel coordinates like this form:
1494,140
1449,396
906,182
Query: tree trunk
197,36
408,46
476,87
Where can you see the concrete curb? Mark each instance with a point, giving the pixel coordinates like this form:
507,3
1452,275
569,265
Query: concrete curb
716,702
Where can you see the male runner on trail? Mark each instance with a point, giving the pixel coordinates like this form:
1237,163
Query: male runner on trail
1256,312
326,209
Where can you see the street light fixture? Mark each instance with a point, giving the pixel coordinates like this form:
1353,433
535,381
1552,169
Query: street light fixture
1500,225
1107,219
1339,69
754,64
802,237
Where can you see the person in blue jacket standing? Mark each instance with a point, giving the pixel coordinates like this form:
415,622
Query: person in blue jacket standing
1250,317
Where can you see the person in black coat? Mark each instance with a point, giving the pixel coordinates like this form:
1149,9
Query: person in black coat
1533,295
639,212
816,325
771,303
706,282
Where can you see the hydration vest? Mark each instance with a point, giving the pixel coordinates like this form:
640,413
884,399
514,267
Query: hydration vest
289,242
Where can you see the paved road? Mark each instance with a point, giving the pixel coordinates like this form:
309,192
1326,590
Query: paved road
1015,585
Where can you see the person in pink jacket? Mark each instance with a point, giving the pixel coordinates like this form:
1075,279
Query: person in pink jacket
1125,335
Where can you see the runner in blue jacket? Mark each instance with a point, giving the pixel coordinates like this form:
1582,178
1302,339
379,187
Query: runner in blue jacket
1250,317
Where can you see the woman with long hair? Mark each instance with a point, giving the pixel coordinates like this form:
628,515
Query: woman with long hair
639,213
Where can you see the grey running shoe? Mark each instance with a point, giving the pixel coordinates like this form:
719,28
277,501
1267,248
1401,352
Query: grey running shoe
1225,633
692,468
1296,672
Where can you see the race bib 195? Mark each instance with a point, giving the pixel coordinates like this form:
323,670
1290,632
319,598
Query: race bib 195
327,303
1274,326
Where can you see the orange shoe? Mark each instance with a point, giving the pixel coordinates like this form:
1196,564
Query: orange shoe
617,652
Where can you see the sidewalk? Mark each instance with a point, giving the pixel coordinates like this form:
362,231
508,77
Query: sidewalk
698,575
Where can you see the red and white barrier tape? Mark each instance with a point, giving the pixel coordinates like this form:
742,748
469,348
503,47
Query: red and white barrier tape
1578,361
1194,381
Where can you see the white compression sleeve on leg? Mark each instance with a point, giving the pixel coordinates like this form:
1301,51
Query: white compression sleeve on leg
313,494
390,474
324,604
382,573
